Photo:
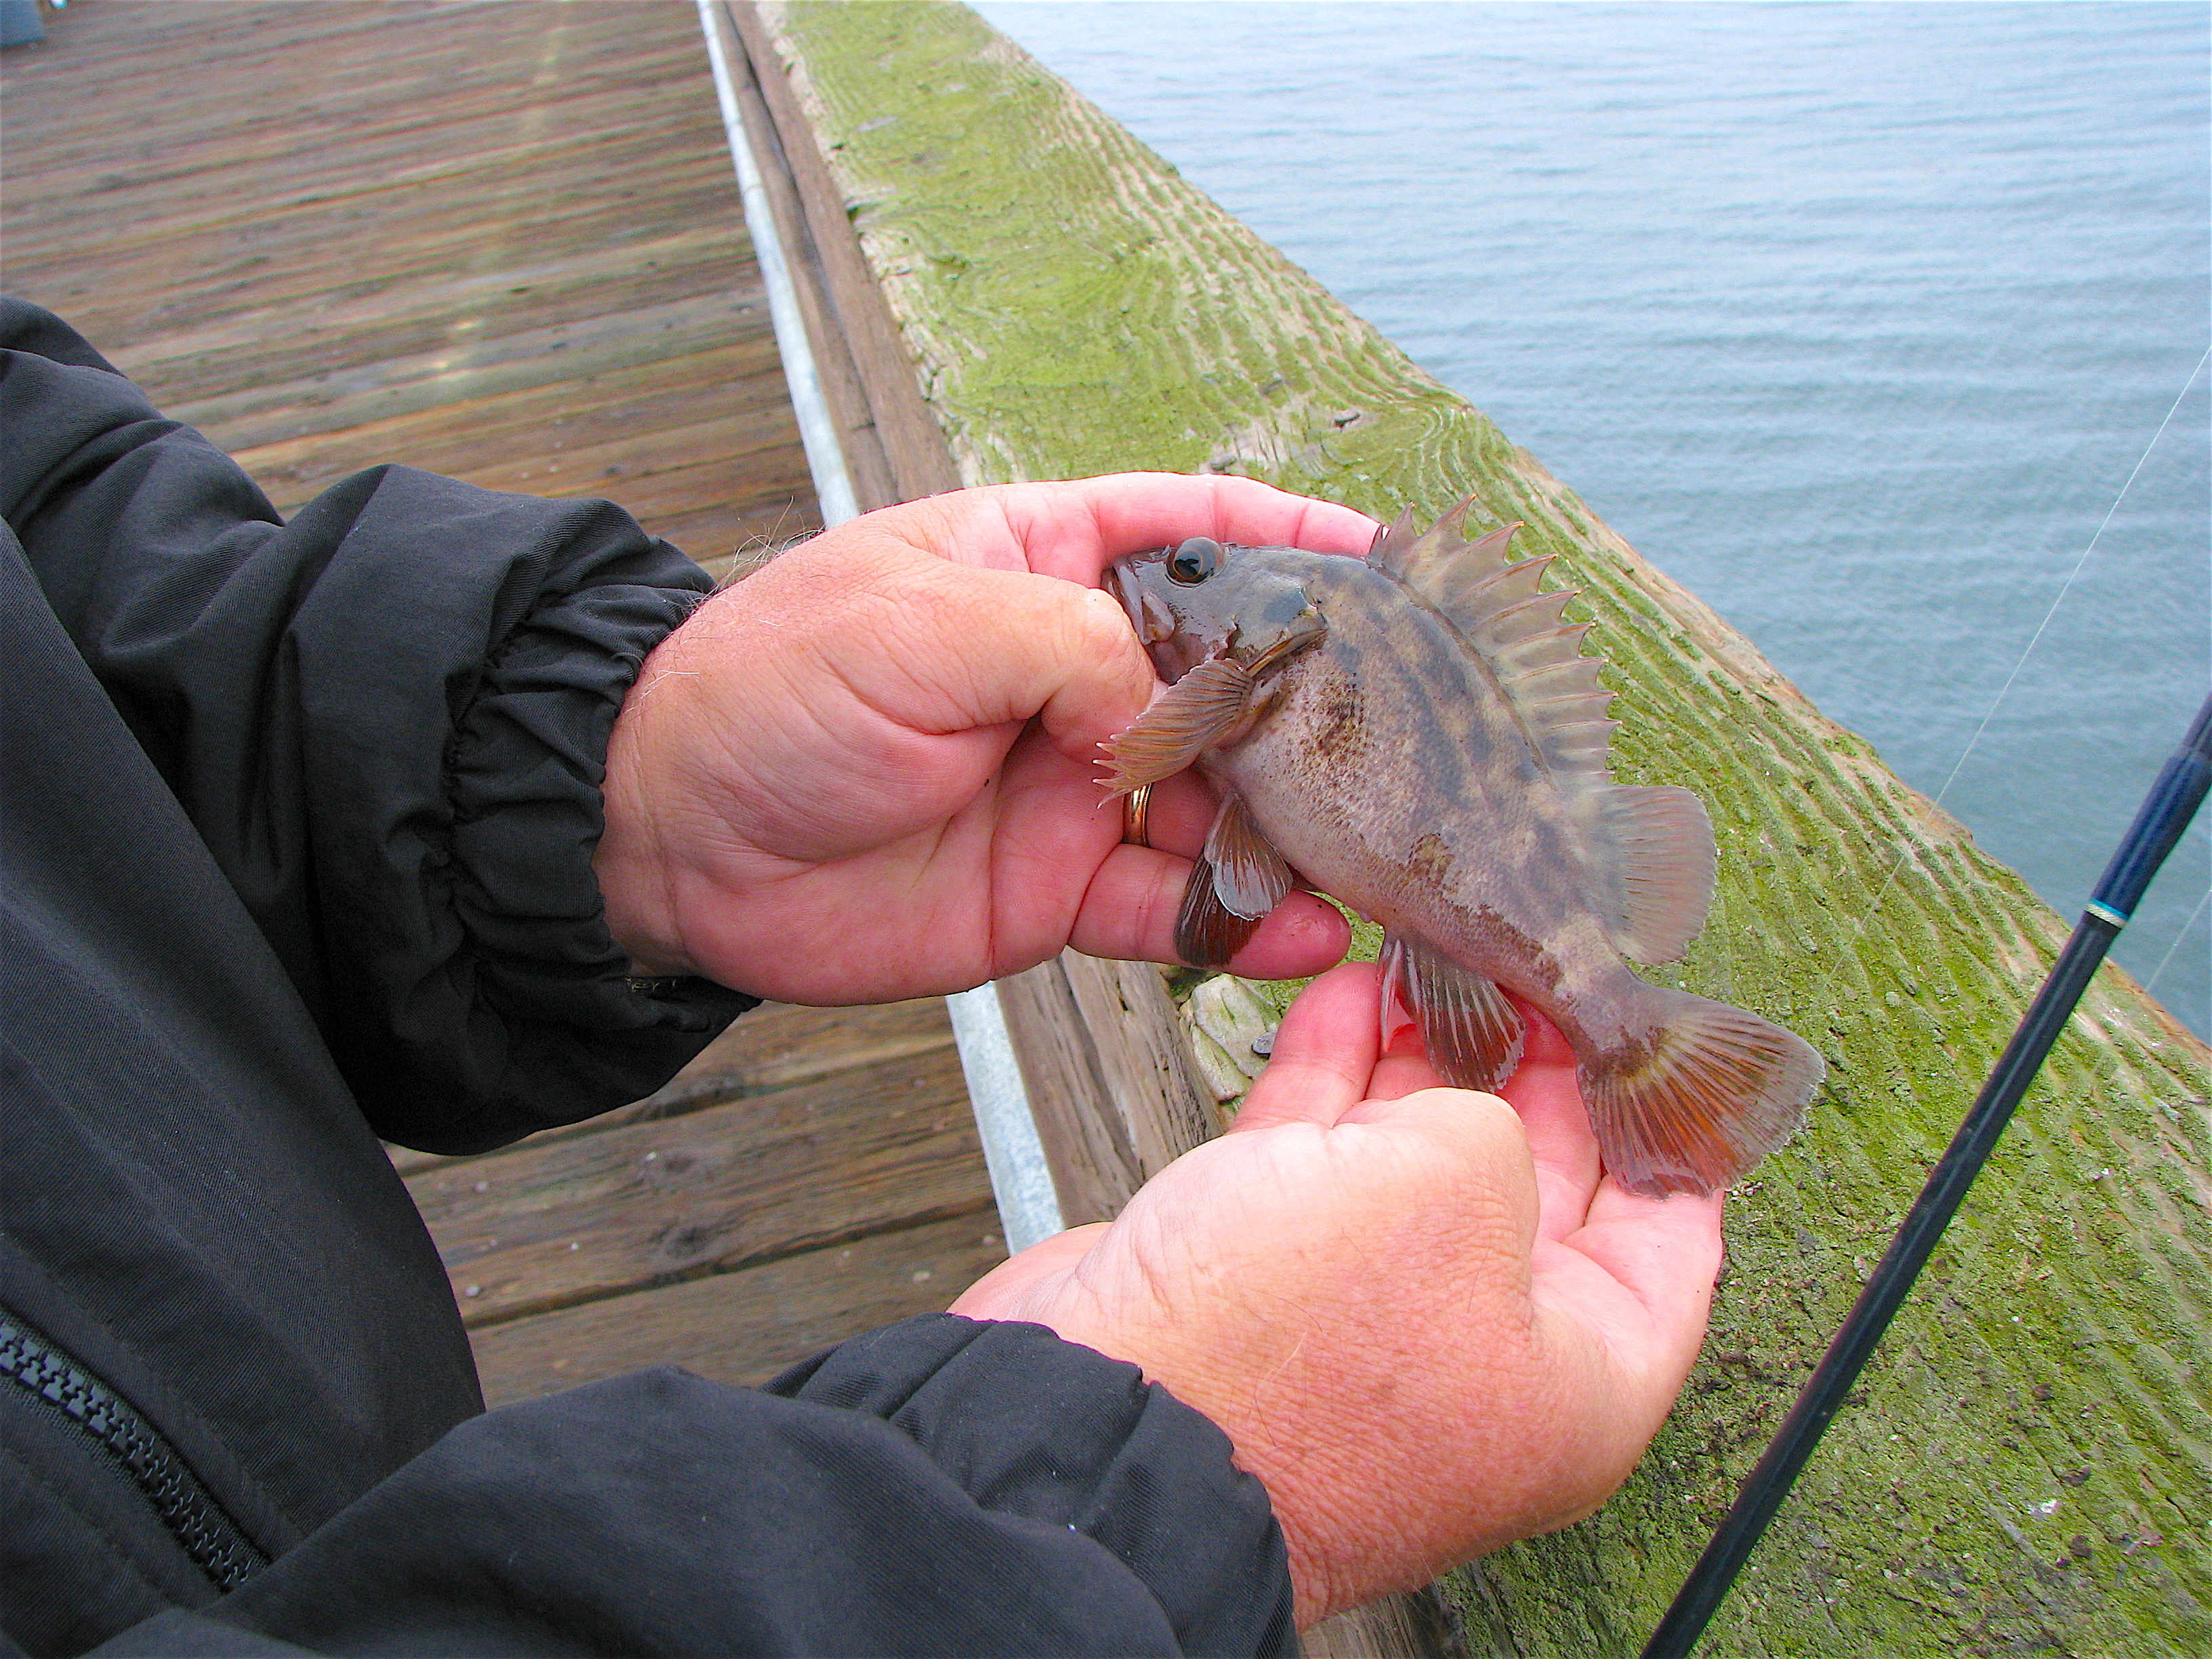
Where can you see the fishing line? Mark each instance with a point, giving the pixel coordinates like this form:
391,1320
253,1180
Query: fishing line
2067,586
2159,823
2027,650
2151,984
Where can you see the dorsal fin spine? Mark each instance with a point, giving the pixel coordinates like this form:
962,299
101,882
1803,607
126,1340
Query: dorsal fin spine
1576,678
1513,620
1513,577
1495,605
1390,544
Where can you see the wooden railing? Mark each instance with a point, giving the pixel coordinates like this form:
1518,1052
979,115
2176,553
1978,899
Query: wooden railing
1030,292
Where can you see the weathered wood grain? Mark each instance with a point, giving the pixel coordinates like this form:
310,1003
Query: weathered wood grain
466,219
1111,1086
1084,1132
870,1148
742,1326
848,301
535,423
2035,1421
775,1047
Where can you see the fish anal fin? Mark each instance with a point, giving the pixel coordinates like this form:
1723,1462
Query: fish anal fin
1207,932
1656,844
1190,717
1250,877
1699,1097
1472,1033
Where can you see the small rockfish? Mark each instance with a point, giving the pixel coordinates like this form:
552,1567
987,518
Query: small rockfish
1418,734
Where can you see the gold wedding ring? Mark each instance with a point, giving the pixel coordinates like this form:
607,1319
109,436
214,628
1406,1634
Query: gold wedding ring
1133,807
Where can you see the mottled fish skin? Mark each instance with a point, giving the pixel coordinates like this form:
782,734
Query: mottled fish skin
1383,757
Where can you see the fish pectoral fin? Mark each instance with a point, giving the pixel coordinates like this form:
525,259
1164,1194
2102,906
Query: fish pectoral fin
1472,1032
1656,842
1207,932
1250,877
1185,720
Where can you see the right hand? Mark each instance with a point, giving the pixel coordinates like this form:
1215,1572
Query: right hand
870,770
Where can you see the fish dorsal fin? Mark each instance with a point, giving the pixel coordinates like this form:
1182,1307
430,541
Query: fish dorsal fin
1496,604
1439,558
1390,544
1655,845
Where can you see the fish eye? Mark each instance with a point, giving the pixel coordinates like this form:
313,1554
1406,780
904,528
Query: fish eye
1195,561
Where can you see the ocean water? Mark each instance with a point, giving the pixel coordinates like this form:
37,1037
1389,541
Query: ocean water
1881,326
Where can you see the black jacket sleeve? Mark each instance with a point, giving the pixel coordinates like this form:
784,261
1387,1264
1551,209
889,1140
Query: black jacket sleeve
371,740
941,1487
388,720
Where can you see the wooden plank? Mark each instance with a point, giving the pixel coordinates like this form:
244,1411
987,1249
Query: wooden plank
1115,1094
246,352
635,400
1085,1134
779,1044
514,208
168,283
294,408
742,1328
1144,1058
920,462
374,100
870,1148
775,1046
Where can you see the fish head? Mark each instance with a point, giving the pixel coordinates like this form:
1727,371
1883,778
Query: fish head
1199,600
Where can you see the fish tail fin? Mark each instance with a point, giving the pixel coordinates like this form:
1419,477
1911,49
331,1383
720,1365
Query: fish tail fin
1698,1095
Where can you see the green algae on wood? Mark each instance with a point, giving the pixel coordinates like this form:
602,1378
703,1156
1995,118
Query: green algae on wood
2026,1465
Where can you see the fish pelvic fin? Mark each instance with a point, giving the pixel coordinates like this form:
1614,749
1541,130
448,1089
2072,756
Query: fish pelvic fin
1473,1034
1207,932
1199,711
1656,855
1250,877
1699,1096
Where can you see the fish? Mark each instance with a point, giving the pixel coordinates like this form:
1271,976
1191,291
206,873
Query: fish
1419,734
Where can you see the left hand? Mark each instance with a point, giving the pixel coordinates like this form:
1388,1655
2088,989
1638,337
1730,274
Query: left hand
868,771
1425,1318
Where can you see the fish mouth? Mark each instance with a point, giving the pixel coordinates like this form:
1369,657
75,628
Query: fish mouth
1129,591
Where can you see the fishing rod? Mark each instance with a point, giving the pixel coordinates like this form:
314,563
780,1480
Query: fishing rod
2159,825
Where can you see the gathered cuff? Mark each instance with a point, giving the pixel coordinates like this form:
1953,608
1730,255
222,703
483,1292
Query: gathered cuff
526,773
1030,1425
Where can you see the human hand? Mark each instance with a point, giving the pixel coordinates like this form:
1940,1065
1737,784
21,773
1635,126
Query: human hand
868,771
1426,1324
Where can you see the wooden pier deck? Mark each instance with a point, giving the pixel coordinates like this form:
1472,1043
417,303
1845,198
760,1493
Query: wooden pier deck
504,241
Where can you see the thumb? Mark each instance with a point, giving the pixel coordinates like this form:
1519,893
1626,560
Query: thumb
1325,1052
941,647
1018,1287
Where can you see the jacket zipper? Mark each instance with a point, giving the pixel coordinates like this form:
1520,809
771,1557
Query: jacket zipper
48,1373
